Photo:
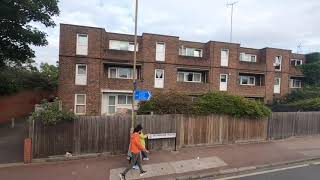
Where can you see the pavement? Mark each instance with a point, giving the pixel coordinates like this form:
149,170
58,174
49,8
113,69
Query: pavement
187,162
11,142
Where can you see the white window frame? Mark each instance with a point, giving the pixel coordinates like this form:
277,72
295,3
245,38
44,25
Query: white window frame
296,62
247,57
79,76
155,79
79,47
243,76
275,64
228,54
129,45
160,55
185,76
117,72
127,97
76,104
292,83
183,51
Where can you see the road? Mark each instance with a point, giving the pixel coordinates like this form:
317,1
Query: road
305,172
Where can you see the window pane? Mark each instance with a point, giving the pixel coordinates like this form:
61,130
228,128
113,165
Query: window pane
293,62
113,72
81,99
244,80
197,77
82,69
189,76
122,99
299,62
114,44
159,74
83,39
189,52
223,78
124,45
252,80
131,47
180,76
124,72
129,99
111,109
197,53
253,58
112,100
80,109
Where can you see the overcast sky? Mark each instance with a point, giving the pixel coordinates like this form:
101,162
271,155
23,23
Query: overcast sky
257,24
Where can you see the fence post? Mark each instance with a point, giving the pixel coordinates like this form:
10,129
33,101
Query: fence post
220,129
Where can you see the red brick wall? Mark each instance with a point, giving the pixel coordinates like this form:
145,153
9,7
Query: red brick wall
20,105
99,55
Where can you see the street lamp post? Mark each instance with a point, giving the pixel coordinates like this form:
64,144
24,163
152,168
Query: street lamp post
231,4
134,83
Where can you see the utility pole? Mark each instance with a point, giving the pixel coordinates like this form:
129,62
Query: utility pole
134,82
231,4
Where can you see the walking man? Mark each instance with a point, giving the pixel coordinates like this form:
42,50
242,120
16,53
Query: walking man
135,148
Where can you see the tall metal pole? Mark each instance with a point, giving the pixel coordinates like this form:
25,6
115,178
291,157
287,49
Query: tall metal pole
231,4
134,83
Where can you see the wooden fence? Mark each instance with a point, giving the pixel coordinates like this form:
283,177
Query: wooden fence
111,133
288,124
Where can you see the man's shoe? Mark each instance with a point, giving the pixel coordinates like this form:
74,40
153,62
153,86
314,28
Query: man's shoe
135,167
142,173
122,176
146,159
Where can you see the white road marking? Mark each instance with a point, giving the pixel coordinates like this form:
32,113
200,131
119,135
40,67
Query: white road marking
316,163
264,172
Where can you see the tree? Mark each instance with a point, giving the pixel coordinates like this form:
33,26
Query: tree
311,70
50,72
16,33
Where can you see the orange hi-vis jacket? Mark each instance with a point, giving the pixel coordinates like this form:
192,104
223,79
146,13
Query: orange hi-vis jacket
136,146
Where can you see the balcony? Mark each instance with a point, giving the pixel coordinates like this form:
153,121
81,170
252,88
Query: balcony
251,85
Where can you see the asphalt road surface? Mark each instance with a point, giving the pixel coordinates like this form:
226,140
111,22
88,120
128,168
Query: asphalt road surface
308,172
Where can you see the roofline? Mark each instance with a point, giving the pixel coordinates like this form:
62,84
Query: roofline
81,26
160,35
277,49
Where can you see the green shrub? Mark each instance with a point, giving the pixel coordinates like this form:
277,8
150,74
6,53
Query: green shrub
302,94
236,106
211,103
307,104
49,114
167,103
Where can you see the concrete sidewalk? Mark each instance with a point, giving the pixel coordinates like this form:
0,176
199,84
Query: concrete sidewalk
182,163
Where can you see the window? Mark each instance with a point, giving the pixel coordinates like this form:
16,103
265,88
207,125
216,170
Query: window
82,44
277,63
190,52
248,57
189,77
158,78
160,51
80,104
224,57
81,74
121,73
124,99
295,62
248,80
295,83
122,45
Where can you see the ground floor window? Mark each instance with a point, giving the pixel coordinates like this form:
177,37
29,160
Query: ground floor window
116,103
80,104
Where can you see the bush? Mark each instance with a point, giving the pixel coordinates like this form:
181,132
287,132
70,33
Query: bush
307,104
49,114
211,103
302,94
236,106
167,103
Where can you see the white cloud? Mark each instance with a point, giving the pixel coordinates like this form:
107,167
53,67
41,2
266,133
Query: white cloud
257,24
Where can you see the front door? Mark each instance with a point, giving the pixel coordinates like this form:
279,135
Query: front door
223,82
277,85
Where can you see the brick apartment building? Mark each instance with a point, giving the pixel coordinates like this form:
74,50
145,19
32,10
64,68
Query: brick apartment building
95,69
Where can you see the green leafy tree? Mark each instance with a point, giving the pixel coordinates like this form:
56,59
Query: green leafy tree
311,69
16,33
50,73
